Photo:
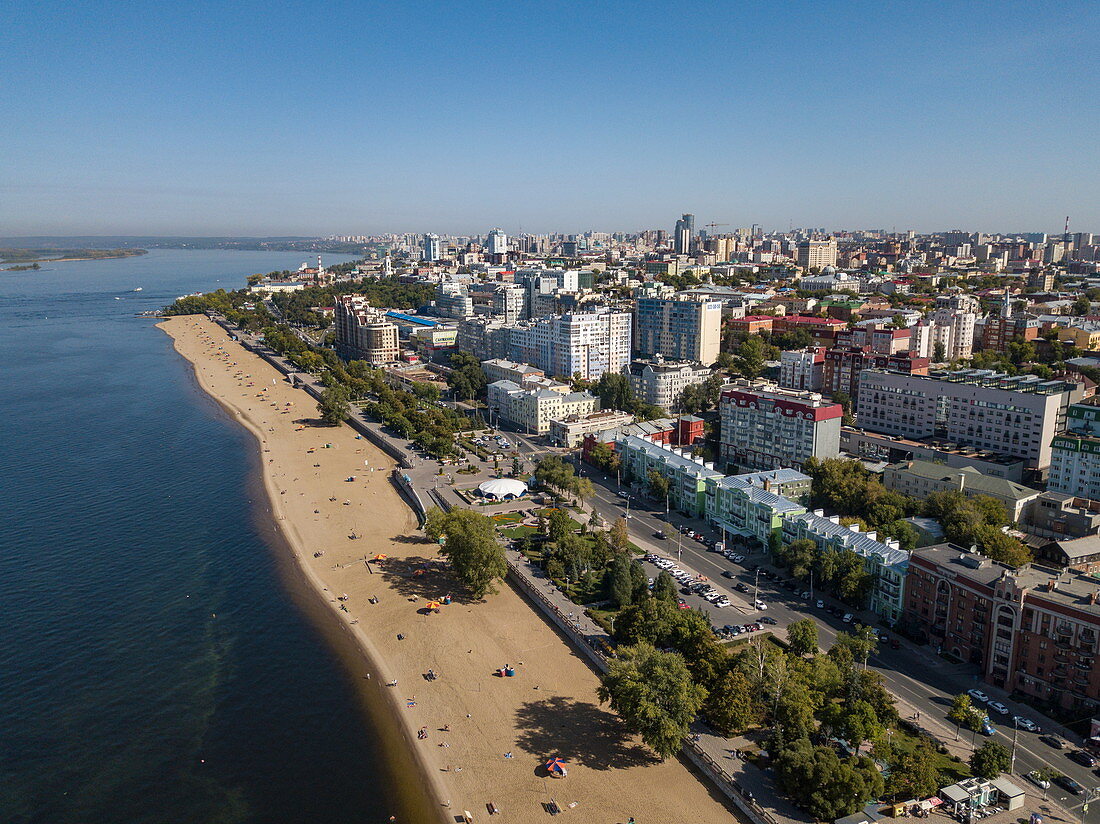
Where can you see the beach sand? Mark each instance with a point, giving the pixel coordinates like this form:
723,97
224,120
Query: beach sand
502,730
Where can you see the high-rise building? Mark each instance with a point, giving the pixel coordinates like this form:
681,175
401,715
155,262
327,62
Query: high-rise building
363,332
684,234
498,242
661,383
452,300
508,301
1011,415
433,248
955,320
844,365
817,254
679,328
588,344
802,369
765,427
1075,455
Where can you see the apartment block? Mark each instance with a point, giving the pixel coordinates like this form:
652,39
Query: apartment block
766,427
584,344
679,328
955,321
660,382
364,333
1013,415
532,409
737,506
1034,630
843,366
498,369
571,430
802,369
816,254
687,475
1075,454
885,561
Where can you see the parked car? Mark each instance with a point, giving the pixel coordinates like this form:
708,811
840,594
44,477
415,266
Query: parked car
820,604
895,643
737,558
805,595
764,619
1067,783
1036,778
726,573
847,617
1083,758
998,707
978,696
1026,724
1053,741
760,605
741,587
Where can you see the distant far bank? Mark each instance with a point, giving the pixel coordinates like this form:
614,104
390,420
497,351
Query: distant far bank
30,259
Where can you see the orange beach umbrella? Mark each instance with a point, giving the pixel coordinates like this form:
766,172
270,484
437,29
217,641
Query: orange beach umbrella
380,557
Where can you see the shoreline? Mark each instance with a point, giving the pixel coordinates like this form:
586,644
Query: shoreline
486,737
353,653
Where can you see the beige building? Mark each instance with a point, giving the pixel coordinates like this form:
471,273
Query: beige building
570,430
919,479
364,333
499,369
817,253
532,409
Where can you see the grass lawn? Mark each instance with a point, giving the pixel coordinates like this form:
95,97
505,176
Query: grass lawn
504,518
517,531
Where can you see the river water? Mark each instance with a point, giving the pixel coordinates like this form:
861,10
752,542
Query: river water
153,664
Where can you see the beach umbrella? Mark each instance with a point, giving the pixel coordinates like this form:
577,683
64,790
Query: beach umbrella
433,605
380,557
555,765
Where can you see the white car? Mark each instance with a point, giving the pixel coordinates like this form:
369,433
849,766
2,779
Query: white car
820,604
760,605
722,602
978,695
1026,724
738,559
998,707
847,618
1036,778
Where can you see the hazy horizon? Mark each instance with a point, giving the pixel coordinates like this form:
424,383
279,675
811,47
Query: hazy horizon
350,118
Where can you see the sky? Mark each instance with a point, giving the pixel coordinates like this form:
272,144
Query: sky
293,118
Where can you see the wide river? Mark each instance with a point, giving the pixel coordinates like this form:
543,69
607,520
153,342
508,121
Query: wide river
153,664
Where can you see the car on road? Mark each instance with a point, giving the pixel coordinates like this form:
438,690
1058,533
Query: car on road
741,587
1026,724
722,603
820,604
978,696
764,619
895,643
1036,778
737,558
682,604
760,605
847,617
1067,783
726,573
998,707
660,533
1053,741
1083,758
805,596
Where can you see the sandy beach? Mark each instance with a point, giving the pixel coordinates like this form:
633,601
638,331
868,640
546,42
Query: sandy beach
478,738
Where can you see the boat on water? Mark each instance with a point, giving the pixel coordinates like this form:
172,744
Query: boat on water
118,298
138,289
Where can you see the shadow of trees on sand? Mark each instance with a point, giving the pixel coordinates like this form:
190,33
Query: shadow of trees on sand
423,577
579,732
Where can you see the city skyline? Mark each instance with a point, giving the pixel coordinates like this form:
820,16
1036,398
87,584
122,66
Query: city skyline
144,121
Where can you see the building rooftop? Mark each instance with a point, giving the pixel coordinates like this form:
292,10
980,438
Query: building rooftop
972,479
859,542
670,456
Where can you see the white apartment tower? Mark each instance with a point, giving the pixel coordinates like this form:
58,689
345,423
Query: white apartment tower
679,329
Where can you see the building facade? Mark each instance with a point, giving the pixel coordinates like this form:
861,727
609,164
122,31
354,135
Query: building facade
584,344
802,369
1013,415
919,479
571,430
1075,455
679,329
532,409
816,254
765,427
660,383
364,333
843,366
687,476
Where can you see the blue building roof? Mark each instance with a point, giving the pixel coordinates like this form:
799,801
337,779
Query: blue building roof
412,319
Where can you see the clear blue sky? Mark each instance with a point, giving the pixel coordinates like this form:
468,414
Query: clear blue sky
304,118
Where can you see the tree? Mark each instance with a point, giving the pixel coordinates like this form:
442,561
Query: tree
915,774
731,707
472,549
751,356
435,523
990,760
621,586
560,525
615,392
802,637
333,405
961,713
466,378
654,694
658,484
822,784
939,352
620,536
664,587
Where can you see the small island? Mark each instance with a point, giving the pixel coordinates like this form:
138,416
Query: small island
31,259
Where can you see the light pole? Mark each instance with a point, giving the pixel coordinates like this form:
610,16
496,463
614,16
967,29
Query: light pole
1015,735
679,544
756,589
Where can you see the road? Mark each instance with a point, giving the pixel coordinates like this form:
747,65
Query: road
930,695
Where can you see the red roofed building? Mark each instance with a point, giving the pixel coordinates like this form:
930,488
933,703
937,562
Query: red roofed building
753,324
844,364
824,330
765,427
